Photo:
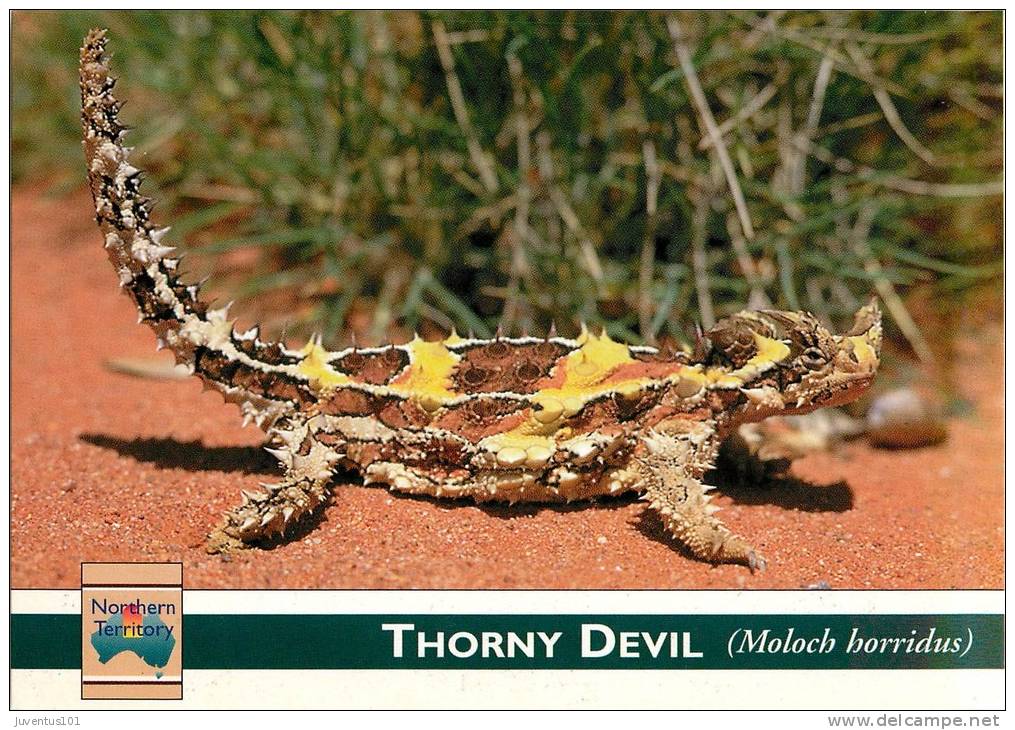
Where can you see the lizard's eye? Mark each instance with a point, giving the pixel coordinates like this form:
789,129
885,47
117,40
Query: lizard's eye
813,358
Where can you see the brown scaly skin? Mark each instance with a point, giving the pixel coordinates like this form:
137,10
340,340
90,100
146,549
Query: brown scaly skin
511,419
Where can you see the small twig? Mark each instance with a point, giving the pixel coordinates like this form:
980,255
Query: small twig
479,160
860,232
648,243
748,110
884,100
708,121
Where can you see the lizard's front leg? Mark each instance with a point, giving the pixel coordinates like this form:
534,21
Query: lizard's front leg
309,466
671,467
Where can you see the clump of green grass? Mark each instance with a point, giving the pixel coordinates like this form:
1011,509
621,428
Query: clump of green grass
632,170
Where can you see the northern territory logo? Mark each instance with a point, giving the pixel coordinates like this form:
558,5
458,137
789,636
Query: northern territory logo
132,631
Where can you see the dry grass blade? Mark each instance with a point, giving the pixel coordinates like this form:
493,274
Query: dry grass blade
148,367
479,160
797,170
904,184
893,302
701,201
884,100
885,39
757,298
590,258
939,190
522,195
755,104
647,266
762,27
970,103
708,121
841,62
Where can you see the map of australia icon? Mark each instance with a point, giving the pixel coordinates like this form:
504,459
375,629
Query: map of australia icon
146,635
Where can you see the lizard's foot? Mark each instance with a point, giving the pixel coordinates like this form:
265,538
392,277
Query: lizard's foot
691,521
683,503
220,542
269,513
728,547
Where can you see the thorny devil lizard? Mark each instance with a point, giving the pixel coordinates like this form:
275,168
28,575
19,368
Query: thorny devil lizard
510,419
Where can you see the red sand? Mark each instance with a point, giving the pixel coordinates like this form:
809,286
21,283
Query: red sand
105,467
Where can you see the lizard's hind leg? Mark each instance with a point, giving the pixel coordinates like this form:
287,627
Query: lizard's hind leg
309,466
671,469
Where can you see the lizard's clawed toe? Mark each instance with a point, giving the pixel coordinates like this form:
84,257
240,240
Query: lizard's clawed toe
221,542
755,562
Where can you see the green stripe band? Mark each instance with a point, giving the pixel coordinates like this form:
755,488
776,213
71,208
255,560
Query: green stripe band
260,641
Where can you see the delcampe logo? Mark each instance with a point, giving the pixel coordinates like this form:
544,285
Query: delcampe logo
132,631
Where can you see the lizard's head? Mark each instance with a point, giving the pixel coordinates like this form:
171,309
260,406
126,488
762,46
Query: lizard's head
789,363
824,369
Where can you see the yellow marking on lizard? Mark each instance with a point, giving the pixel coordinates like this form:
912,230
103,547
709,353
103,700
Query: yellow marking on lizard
517,439
862,349
453,339
589,365
428,378
718,378
315,366
769,352
585,373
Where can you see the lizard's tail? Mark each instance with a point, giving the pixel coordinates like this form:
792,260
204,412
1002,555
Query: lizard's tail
262,378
